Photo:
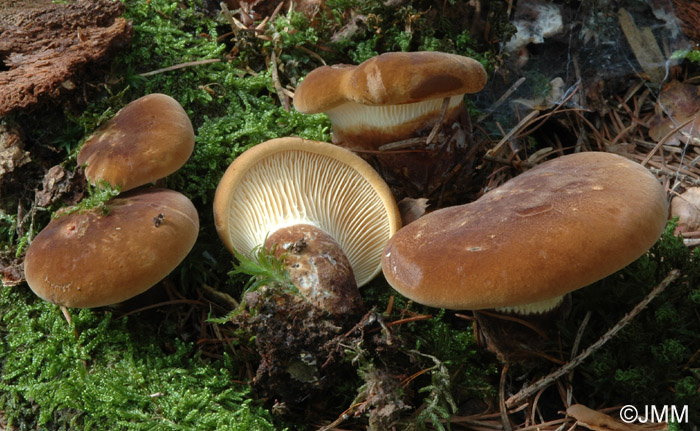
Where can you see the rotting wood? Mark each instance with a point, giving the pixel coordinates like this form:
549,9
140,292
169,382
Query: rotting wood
48,51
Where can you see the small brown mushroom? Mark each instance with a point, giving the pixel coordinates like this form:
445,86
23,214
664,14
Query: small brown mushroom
91,259
388,96
147,140
326,209
393,97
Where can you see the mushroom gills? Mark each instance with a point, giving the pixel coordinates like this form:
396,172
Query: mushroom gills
354,116
539,307
318,267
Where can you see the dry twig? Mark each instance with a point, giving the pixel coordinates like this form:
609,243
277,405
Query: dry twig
180,66
552,377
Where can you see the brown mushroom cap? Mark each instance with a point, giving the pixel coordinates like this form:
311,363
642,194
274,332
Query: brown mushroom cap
390,96
555,228
290,181
148,139
392,78
89,259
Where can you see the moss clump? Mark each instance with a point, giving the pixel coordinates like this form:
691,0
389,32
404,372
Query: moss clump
359,30
100,373
408,375
97,199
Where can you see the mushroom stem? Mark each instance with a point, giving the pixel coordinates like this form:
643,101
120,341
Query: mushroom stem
417,156
318,267
514,335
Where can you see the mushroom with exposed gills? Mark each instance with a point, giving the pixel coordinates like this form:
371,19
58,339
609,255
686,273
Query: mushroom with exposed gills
92,258
328,212
147,140
380,106
521,247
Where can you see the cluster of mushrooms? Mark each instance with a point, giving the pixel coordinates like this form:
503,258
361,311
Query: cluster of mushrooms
333,217
560,226
95,258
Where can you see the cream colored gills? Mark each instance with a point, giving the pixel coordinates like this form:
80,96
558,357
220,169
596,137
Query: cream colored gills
279,193
352,115
291,181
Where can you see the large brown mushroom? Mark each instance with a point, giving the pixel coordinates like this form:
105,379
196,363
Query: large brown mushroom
519,248
325,208
91,259
404,110
147,140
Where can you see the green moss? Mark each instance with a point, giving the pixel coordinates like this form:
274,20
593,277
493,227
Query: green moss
8,231
264,269
690,55
100,373
97,199
445,337
414,26
653,361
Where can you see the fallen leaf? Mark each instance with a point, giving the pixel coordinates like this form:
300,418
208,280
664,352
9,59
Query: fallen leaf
412,209
598,421
687,207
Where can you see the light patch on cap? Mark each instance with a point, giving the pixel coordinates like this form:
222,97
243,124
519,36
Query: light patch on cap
375,84
533,211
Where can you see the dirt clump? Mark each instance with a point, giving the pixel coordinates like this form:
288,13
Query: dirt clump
307,353
299,346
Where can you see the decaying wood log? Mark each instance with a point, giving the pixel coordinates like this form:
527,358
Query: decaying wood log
45,52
